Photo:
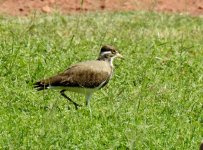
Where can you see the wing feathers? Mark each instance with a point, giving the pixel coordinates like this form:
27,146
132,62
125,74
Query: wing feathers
88,74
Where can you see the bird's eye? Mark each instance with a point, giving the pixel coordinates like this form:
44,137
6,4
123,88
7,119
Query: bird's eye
113,51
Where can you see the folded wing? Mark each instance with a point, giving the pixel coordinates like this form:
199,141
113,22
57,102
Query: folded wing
89,74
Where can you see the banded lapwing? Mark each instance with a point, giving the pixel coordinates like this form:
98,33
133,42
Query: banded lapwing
85,77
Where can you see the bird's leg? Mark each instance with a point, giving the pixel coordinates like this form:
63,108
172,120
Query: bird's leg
68,98
87,98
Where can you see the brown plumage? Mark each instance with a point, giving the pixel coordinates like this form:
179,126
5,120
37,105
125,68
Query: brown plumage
88,74
85,77
201,146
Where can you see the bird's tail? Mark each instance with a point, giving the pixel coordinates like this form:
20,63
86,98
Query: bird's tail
40,86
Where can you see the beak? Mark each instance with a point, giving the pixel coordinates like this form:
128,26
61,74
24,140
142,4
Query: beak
119,56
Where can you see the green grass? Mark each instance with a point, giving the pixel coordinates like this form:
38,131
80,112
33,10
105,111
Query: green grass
154,100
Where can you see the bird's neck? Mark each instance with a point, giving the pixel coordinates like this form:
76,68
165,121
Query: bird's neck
107,59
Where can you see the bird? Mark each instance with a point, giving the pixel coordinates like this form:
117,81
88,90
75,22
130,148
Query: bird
84,77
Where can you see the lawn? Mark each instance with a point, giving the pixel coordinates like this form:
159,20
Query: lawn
154,100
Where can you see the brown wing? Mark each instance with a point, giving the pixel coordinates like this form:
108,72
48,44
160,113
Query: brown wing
89,74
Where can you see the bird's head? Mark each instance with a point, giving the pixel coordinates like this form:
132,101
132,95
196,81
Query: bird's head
108,53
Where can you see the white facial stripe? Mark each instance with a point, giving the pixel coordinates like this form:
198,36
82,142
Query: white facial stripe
104,53
111,61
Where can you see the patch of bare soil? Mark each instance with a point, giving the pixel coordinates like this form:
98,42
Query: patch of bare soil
25,7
